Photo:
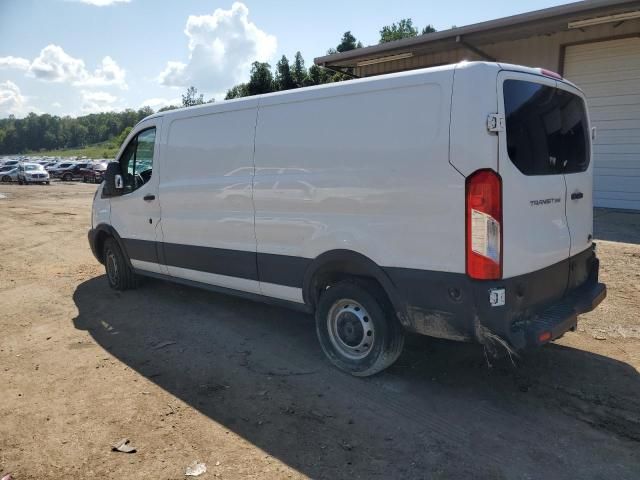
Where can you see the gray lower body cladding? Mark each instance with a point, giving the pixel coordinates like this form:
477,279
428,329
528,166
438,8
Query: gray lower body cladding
453,306
439,304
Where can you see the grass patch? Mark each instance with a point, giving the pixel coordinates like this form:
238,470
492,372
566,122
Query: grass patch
99,150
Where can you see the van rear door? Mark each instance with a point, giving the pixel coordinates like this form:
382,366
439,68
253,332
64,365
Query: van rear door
577,166
535,233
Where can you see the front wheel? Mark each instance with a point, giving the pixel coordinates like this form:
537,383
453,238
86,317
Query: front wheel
6,178
119,273
67,177
357,329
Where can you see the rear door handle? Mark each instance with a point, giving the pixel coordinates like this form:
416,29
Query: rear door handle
148,198
577,195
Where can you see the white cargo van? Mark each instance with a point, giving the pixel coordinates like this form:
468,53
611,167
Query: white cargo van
453,201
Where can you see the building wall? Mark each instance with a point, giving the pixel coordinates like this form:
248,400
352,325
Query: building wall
539,51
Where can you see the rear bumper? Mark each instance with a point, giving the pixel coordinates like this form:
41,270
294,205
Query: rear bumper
555,320
538,307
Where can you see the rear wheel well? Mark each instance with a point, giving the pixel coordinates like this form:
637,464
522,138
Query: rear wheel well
337,266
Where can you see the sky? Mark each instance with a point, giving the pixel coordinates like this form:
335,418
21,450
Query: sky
74,57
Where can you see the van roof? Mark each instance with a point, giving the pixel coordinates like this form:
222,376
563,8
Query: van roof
249,102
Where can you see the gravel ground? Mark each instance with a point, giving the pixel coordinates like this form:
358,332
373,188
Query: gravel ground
189,375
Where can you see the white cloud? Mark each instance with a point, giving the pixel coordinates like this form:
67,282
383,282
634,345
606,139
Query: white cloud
56,105
103,3
157,103
53,64
12,102
222,47
94,102
14,62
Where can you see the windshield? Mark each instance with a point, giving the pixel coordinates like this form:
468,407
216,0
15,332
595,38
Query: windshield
32,167
547,129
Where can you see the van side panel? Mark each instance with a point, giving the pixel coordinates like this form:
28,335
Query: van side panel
364,170
474,98
205,196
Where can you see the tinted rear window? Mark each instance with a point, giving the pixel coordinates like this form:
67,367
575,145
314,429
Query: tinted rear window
547,130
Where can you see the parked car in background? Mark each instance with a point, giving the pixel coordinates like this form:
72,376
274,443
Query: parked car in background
53,170
32,173
11,163
94,173
9,173
73,172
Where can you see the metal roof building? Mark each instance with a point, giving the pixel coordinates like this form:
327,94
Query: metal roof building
594,43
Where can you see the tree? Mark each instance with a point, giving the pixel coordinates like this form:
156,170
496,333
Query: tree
284,79
191,97
238,91
428,29
348,42
299,71
168,107
317,75
396,31
261,79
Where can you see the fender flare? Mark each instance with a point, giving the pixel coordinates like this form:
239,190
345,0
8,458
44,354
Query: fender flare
351,263
111,232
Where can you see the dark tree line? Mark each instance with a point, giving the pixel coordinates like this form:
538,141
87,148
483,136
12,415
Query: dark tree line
51,132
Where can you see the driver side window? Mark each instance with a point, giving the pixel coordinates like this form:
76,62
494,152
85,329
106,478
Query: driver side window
136,162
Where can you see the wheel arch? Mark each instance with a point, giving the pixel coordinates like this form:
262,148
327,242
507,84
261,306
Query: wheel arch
102,232
335,265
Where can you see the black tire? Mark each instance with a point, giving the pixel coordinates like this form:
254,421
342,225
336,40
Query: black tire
347,316
84,179
67,177
6,178
119,274
47,182
19,181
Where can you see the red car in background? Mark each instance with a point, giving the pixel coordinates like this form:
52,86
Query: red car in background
94,172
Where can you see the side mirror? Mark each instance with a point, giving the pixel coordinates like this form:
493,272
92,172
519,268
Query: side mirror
113,182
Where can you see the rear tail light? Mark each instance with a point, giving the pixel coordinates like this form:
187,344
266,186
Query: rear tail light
484,225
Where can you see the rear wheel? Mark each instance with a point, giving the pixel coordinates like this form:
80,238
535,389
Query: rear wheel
119,273
67,177
357,329
6,178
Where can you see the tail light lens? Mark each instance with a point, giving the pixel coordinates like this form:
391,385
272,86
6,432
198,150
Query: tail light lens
484,225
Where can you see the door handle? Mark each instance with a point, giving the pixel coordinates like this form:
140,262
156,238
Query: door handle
577,195
148,198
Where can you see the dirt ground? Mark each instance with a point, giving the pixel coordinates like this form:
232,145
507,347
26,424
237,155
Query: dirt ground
189,375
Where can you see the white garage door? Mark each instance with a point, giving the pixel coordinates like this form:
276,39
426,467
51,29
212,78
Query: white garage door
609,74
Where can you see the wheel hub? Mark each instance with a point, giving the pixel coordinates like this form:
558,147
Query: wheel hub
350,329
112,267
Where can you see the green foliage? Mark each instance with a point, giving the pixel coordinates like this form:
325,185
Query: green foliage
428,29
99,150
396,31
261,79
347,43
284,78
191,97
238,91
36,133
299,72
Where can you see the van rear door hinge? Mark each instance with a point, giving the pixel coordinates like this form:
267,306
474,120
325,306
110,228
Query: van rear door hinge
495,122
